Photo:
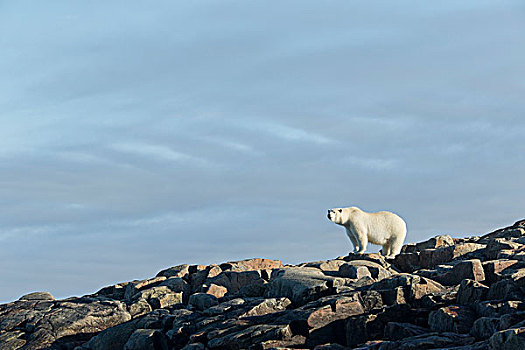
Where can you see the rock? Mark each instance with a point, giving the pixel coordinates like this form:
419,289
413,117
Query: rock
484,327
300,285
251,265
175,271
430,341
112,338
470,292
146,339
202,301
440,241
159,297
201,274
400,280
507,232
357,300
375,270
233,281
398,331
71,321
249,336
194,346
457,319
394,296
510,339
135,287
116,291
216,291
139,307
267,306
293,343
325,266
355,272
496,245
362,328
467,269
37,296
407,262
430,258
505,289
512,320
12,340
340,308
373,257
371,300
176,284
498,308
494,269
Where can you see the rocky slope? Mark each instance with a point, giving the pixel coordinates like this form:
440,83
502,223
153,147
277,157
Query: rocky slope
443,293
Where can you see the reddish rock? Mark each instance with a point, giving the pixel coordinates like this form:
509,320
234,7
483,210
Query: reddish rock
467,269
429,258
251,265
216,291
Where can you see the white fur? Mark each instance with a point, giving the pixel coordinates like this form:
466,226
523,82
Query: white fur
383,228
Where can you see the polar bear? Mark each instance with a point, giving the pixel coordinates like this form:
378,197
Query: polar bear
383,228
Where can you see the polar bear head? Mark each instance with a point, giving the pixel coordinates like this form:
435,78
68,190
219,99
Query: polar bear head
338,215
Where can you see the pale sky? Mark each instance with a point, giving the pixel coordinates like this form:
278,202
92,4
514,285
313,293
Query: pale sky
141,135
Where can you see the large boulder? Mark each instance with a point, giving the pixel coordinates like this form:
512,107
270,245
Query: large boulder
300,285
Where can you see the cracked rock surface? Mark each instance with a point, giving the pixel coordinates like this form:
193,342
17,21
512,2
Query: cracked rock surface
443,293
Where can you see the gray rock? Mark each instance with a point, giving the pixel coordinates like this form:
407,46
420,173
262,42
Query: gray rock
300,285
202,301
326,266
400,330
457,319
37,296
12,340
354,272
175,271
234,281
498,308
267,306
112,338
484,327
505,289
440,241
73,318
135,287
509,339
146,339
470,292
495,268
159,297
249,336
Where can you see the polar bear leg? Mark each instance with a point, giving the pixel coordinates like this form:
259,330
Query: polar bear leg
362,240
353,239
396,243
387,249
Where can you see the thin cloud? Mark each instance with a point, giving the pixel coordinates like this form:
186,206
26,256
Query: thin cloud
159,152
288,133
371,163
